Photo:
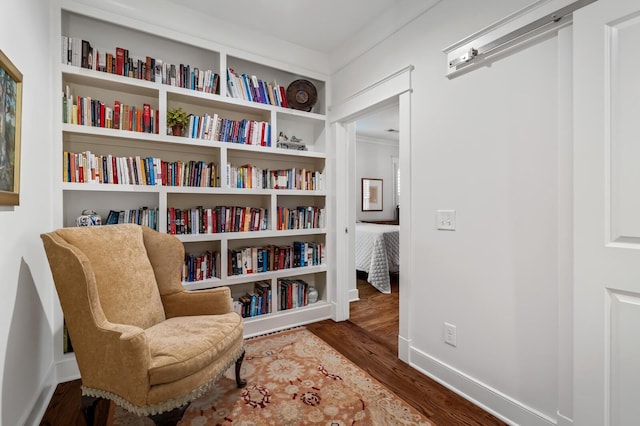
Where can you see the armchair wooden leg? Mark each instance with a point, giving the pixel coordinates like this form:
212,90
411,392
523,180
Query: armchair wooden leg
88,406
169,418
240,382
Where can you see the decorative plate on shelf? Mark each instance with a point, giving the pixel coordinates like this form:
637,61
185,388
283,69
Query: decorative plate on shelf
302,95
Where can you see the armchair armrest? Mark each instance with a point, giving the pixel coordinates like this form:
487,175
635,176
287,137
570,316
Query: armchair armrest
215,301
114,351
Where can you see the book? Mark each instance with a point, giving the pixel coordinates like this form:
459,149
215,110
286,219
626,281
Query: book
120,61
148,68
146,118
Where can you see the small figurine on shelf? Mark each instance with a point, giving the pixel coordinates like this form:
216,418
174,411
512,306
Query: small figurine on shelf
282,138
89,218
293,143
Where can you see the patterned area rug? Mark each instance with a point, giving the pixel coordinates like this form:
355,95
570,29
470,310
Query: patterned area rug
294,378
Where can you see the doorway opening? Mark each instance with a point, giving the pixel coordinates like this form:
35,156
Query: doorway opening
377,250
395,90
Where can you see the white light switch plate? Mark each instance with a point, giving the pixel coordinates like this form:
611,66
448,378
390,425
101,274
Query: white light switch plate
446,220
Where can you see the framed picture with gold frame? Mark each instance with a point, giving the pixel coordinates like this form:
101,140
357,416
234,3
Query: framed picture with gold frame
10,128
371,195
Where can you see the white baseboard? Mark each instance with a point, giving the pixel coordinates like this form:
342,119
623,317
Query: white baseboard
404,348
353,295
40,401
67,369
489,399
564,420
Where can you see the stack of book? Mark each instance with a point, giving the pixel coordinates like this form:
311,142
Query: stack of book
300,218
251,88
202,266
215,128
256,302
292,293
81,53
219,219
253,260
142,216
93,112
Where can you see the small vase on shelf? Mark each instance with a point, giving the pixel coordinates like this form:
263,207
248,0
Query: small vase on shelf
89,218
312,295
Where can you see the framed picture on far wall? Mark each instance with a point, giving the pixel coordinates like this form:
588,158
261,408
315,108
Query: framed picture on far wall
10,125
371,195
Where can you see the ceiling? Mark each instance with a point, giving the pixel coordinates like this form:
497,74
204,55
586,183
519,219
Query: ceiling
381,124
318,25
322,26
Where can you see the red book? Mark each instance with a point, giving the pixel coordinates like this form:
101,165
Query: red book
283,94
172,220
114,168
265,129
163,172
185,221
116,115
80,104
119,61
102,114
146,117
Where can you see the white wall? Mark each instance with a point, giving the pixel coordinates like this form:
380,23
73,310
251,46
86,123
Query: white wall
373,161
485,144
26,349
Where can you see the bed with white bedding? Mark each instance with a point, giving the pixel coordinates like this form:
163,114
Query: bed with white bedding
378,253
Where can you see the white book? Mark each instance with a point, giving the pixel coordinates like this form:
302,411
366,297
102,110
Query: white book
64,53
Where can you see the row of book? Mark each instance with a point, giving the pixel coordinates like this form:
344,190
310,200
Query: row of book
219,219
248,176
300,217
292,293
92,112
86,167
81,53
142,216
255,302
216,128
252,89
253,260
201,266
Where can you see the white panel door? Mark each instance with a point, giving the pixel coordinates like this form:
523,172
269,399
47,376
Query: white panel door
607,213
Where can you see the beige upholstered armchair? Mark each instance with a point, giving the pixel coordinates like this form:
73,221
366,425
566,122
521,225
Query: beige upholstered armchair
140,339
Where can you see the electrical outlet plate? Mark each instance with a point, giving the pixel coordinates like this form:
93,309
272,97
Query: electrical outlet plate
450,337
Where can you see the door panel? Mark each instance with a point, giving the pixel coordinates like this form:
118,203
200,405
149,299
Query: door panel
624,86
606,213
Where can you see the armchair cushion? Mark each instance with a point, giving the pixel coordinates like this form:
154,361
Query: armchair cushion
182,346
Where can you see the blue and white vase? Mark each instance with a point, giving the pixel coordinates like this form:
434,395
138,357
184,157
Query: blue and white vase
89,218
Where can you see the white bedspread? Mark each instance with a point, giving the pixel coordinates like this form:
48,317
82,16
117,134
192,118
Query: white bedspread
378,253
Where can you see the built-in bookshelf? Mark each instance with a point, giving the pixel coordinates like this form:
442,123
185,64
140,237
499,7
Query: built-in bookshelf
251,215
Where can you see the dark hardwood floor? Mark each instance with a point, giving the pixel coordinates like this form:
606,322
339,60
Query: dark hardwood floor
369,339
372,336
